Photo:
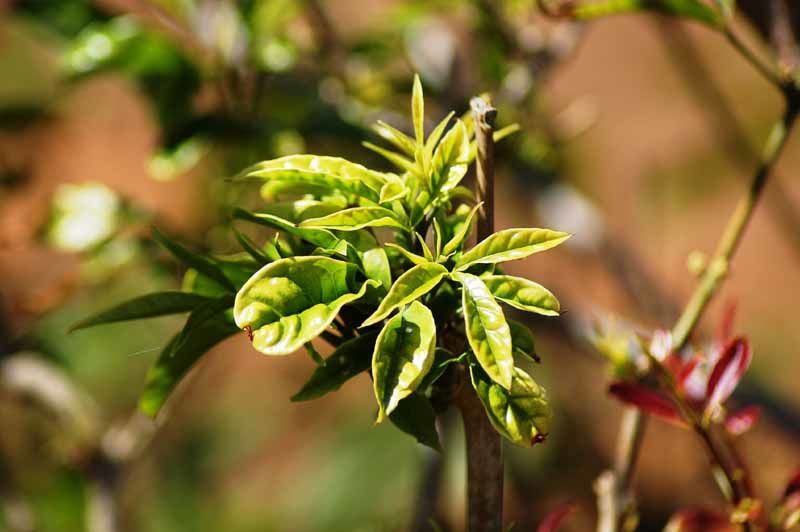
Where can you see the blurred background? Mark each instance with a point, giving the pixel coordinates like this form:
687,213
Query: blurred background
638,135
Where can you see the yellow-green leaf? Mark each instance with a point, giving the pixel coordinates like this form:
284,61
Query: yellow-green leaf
413,284
376,266
510,244
461,233
521,414
418,111
488,333
291,301
356,218
399,139
523,294
404,353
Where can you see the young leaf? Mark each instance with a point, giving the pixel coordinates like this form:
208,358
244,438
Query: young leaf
418,111
487,330
700,520
399,139
461,233
356,218
291,301
376,266
348,360
404,353
450,160
392,190
415,416
521,413
395,158
437,238
177,358
412,257
436,135
411,285
510,244
426,251
647,400
523,294
193,260
327,172
147,306
728,371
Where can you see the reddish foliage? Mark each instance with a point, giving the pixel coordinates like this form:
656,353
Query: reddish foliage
729,370
553,520
647,400
699,520
742,420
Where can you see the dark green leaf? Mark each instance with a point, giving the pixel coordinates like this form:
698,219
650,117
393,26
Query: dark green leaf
193,260
147,306
415,416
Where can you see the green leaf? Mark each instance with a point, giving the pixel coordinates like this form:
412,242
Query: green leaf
404,354
521,413
291,301
522,340
193,260
348,360
331,173
356,218
450,160
418,110
683,8
393,190
436,135
487,330
376,266
426,251
510,244
177,358
437,238
395,158
298,210
415,416
413,284
399,139
442,360
146,306
523,294
412,257
315,236
253,250
461,233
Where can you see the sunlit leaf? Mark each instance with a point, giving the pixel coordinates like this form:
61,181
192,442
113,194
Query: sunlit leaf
412,257
647,400
291,301
356,218
727,372
376,266
399,139
683,8
510,244
404,353
450,160
411,285
487,331
523,294
461,232
418,111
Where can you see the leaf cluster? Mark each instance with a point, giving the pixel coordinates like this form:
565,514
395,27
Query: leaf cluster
376,264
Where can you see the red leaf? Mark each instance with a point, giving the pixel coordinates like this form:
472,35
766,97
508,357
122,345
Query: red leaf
552,521
687,369
729,370
739,422
793,487
647,400
699,520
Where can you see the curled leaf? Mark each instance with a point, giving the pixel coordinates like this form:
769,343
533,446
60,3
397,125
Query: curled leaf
520,413
404,353
553,520
291,301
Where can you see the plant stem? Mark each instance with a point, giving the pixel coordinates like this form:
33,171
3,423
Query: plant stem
484,446
630,433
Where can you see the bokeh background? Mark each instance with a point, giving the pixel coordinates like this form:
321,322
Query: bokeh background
638,134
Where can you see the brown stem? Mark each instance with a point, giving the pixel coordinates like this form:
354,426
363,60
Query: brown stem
483,115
